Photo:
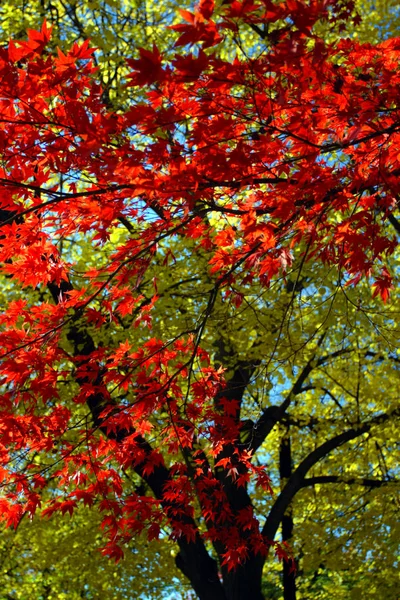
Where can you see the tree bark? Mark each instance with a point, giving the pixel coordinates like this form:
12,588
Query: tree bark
197,565
244,583
285,471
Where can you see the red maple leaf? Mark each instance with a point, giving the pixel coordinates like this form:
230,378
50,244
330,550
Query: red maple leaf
148,68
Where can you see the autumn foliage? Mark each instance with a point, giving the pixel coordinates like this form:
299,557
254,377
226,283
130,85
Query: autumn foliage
245,159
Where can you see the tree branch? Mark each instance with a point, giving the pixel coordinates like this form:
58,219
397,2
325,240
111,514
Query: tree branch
273,414
363,481
295,482
392,219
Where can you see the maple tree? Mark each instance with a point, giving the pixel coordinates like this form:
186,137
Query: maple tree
270,179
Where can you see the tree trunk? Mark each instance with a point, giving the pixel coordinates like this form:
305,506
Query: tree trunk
289,575
197,565
285,471
244,582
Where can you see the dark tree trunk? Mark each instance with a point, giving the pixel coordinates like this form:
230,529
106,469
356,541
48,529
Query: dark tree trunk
289,575
197,565
244,583
285,471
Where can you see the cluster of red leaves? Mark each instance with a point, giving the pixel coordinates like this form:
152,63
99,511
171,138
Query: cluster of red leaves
298,145
309,130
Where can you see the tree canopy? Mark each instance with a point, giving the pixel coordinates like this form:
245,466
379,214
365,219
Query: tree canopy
199,267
